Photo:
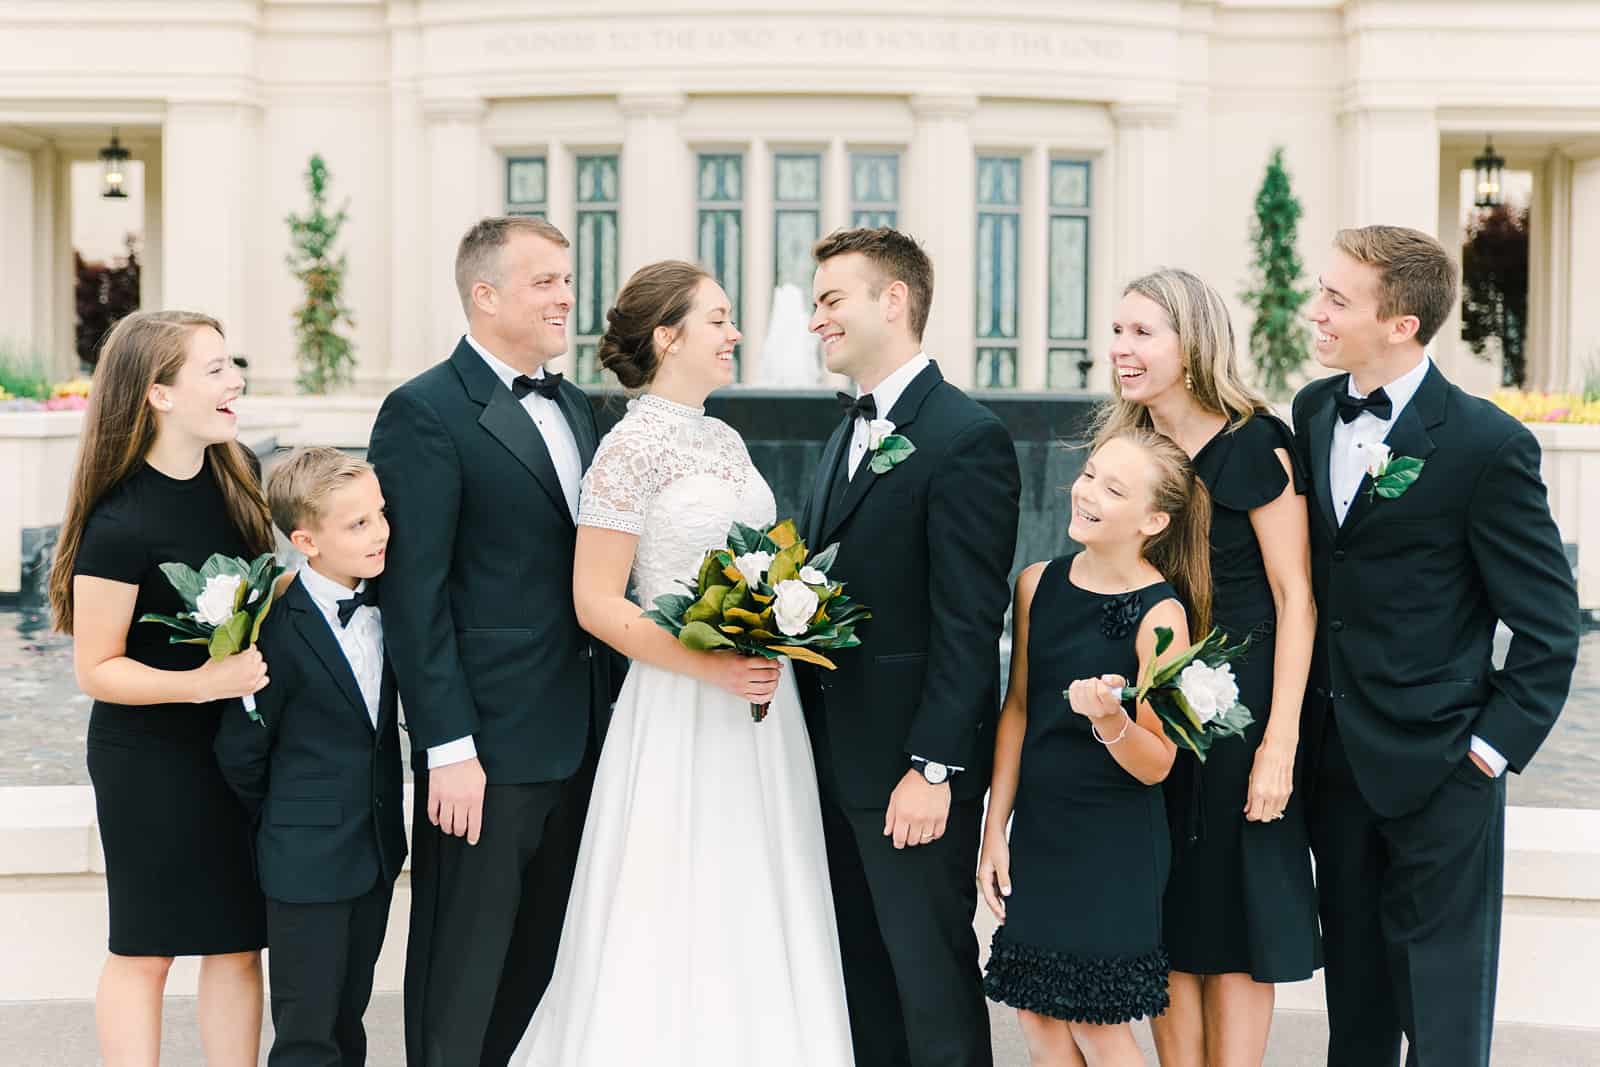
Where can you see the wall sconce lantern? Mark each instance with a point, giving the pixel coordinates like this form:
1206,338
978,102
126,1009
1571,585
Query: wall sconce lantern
114,158
1489,170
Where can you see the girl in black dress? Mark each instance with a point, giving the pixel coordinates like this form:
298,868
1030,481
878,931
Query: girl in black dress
1241,908
1078,886
159,478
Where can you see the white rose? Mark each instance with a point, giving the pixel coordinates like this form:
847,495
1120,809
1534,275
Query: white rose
812,576
1377,456
753,565
214,606
877,430
1209,691
794,606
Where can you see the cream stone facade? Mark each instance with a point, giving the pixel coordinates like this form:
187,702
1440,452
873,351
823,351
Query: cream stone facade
1102,137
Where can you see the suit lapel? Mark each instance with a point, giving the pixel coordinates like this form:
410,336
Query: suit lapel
1409,436
1320,429
822,486
573,402
507,422
903,415
313,628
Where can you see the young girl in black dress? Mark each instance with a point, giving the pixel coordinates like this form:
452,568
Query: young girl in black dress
1241,908
1078,887
159,478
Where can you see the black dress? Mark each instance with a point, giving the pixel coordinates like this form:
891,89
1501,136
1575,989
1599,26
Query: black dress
1241,897
1089,844
176,840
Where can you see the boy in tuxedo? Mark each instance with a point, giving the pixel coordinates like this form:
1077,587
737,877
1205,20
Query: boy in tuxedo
321,771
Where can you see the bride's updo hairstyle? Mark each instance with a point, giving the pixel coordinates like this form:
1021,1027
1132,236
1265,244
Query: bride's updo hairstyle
657,295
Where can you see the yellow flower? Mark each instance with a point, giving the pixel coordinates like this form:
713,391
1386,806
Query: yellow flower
1548,407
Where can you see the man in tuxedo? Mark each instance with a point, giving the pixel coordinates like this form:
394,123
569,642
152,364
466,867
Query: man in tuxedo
480,458
1410,728
903,731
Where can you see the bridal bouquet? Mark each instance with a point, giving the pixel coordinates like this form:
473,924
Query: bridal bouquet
763,595
228,599
1195,694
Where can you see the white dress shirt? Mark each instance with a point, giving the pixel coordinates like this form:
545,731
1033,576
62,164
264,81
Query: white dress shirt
1347,468
885,396
361,640
564,456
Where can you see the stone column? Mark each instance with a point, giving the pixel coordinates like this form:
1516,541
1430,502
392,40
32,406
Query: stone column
656,170
941,212
211,211
453,139
1143,180
1391,167
1582,348
153,249
759,244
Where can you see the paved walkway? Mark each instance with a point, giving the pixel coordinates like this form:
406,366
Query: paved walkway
61,1034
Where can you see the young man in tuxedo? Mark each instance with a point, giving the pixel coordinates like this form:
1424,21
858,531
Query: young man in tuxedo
481,457
903,731
320,772
1410,729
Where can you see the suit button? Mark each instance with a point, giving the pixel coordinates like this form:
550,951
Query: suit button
1338,556
378,801
1336,625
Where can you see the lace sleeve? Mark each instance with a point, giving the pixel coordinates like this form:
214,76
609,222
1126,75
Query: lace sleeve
621,481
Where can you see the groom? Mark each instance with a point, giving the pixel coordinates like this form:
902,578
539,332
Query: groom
480,458
903,731
1415,726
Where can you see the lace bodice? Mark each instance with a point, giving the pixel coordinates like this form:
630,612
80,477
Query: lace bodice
678,479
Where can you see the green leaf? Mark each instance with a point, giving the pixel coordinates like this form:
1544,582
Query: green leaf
711,572
708,608
672,626
891,452
185,580
230,636
264,606
702,638
182,625
1400,475
673,605
823,560
744,539
1163,640
785,565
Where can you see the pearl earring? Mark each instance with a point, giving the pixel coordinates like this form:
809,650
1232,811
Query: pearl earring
1188,382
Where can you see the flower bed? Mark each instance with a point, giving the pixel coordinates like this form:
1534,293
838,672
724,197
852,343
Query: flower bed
1579,408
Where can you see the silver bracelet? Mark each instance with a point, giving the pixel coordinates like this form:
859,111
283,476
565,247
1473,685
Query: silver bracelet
1126,722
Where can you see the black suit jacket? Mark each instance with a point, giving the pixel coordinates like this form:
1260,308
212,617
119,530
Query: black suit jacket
322,784
928,547
477,611
1408,591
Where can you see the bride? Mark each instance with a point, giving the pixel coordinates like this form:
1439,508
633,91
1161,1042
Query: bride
700,930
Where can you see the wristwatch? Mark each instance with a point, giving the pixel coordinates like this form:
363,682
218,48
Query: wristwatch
933,773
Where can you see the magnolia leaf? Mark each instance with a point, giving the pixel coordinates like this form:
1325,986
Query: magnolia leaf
735,597
670,625
673,605
1182,739
184,579
176,639
1231,723
702,638
1163,640
805,655
1393,485
712,572
824,559
708,608
270,598
785,565
744,539
762,635
230,636
762,598
732,630
784,535
180,623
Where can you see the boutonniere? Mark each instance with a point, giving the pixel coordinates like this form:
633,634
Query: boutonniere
1391,475
887,448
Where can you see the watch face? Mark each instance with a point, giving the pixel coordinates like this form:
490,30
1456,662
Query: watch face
935,773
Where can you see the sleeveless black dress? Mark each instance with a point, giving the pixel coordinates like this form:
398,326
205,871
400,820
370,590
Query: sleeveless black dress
1089,844
1241,897
179,870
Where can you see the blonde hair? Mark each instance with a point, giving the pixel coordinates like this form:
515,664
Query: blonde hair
1198,315
1416,276
478,254
145,348
298,488
1182,551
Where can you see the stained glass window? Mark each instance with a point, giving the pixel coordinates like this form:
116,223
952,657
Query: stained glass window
874,189
1069,267
797,217
525,186
999,261
720,222
599,179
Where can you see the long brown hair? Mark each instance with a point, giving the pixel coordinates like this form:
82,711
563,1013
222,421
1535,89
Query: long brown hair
1182,551
146,348
1198,315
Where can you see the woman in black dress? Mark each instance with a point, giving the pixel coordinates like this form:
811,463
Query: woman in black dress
1241,909
1078,886
159,478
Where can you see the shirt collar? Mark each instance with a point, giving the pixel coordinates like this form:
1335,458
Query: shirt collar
1400,391
502,370
889,391
325,592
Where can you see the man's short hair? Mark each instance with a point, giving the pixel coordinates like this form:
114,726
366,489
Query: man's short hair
1416,276
896,256
299,486
478,255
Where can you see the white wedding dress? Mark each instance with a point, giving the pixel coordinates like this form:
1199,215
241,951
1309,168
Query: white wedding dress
700,931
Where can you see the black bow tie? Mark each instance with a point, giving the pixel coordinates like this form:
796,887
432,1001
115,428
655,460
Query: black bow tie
367,597
547,385
858,407
1351,406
